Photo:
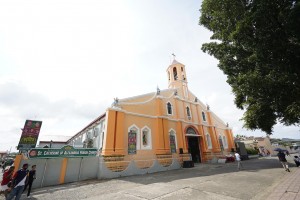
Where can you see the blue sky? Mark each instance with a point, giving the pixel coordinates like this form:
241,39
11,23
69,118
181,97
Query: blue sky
63,62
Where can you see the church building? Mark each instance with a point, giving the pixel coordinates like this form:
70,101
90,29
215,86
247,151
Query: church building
167,123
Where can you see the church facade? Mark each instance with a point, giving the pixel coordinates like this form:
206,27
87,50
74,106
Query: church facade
167,123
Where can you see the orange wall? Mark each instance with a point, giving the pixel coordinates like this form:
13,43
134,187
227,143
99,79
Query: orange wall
153,114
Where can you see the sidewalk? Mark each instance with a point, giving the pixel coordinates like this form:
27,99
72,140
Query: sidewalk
289,188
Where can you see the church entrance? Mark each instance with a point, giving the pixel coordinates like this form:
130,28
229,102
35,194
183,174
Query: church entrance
193,141
194,150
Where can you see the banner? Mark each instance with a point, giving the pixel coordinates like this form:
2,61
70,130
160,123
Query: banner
66,151
131,142
30,134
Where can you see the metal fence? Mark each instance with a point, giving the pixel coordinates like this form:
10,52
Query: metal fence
48,171
51,171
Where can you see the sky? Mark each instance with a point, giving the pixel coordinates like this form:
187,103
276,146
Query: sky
64,61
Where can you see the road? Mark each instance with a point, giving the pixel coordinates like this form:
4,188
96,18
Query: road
204,181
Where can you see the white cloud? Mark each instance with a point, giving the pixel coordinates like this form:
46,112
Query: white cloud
64,117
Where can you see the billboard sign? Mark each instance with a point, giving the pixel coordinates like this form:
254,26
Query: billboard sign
30,134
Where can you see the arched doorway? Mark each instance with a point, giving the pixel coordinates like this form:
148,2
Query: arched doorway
193,142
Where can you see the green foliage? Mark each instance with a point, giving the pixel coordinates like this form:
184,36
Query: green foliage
275,140
252,151
257,44
285,144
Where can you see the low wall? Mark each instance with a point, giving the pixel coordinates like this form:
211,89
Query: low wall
133,169
80,169
55,171
51,171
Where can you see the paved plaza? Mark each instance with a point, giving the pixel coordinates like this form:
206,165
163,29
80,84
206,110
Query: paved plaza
262,178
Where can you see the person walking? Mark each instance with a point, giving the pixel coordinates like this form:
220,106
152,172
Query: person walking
18,181
2,165
268,153
31,178
282,159
7,177
297,160
238,159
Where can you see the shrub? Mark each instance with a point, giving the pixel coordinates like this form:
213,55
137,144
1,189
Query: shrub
252,151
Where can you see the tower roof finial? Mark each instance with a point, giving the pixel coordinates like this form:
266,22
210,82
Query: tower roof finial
173,56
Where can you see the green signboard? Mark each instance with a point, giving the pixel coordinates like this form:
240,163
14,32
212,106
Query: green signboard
66,151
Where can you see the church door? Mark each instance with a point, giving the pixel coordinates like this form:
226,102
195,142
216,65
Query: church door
194,149
193,145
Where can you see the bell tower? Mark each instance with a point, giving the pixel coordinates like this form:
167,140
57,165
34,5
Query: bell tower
177,78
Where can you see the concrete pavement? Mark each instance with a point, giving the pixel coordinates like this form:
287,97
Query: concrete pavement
258,180
288,188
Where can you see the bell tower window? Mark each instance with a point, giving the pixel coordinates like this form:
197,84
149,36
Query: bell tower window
175,73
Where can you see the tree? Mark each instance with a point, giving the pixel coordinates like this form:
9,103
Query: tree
257,43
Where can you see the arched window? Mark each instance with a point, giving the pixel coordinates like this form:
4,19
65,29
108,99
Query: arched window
225,142
102,140
188,112
169,108
83,137
191,131
221,142
203,116
173,141
175,73
132,140
208,141
146,138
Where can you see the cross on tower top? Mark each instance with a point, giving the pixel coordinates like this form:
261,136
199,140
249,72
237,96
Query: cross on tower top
173,56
